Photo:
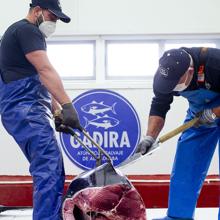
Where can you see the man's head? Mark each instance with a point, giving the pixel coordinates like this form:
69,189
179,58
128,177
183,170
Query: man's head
53,6
174,68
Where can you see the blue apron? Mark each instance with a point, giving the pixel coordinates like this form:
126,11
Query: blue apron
25,107
195,150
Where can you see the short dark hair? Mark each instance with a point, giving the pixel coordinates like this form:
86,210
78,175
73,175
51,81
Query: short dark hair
31,9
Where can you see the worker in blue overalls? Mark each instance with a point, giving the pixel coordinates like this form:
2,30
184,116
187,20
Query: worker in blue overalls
193,73
30,90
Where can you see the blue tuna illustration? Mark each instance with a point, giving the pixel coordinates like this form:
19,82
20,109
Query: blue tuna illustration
96,108
103,122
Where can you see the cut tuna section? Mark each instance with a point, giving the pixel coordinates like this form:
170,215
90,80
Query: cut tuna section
103,194
114,202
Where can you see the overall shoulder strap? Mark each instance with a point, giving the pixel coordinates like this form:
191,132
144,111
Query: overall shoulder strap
201,69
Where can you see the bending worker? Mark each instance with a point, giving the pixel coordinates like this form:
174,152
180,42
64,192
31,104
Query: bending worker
28,84
193,73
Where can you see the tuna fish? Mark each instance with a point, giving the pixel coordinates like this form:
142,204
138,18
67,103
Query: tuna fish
103,193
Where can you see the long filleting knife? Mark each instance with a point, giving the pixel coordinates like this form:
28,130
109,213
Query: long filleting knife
156,146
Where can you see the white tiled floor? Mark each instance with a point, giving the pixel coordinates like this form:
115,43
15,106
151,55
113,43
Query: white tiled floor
201,214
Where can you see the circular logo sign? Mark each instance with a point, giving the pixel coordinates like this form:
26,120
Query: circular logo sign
110,120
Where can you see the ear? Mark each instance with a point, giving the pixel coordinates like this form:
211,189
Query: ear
37,11
191,70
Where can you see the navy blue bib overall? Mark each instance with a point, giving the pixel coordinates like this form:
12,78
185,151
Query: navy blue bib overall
25,107
195,150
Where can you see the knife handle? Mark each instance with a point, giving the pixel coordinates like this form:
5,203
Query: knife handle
178,130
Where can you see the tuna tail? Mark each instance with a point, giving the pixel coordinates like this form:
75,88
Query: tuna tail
113,108
86,122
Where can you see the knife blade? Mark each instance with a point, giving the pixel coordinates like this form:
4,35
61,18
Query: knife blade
138,156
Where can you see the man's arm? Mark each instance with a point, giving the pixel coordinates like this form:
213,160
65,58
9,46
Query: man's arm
159,107
52,81
48,75
155,125
55,105
216,111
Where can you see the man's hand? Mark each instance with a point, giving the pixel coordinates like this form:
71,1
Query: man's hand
58,122
145,145
206,117
70,116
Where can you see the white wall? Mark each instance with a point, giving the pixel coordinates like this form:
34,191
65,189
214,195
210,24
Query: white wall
120,17
127,16
12,161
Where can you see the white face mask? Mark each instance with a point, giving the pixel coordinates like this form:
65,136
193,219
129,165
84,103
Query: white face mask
47,28
182,86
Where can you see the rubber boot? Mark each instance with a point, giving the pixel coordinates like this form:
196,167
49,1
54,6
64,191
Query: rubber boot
170,218
165,218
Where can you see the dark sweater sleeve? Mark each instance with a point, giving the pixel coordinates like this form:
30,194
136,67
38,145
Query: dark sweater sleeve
160,104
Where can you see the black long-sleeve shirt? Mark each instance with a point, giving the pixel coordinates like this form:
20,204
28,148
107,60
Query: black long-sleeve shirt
161,102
